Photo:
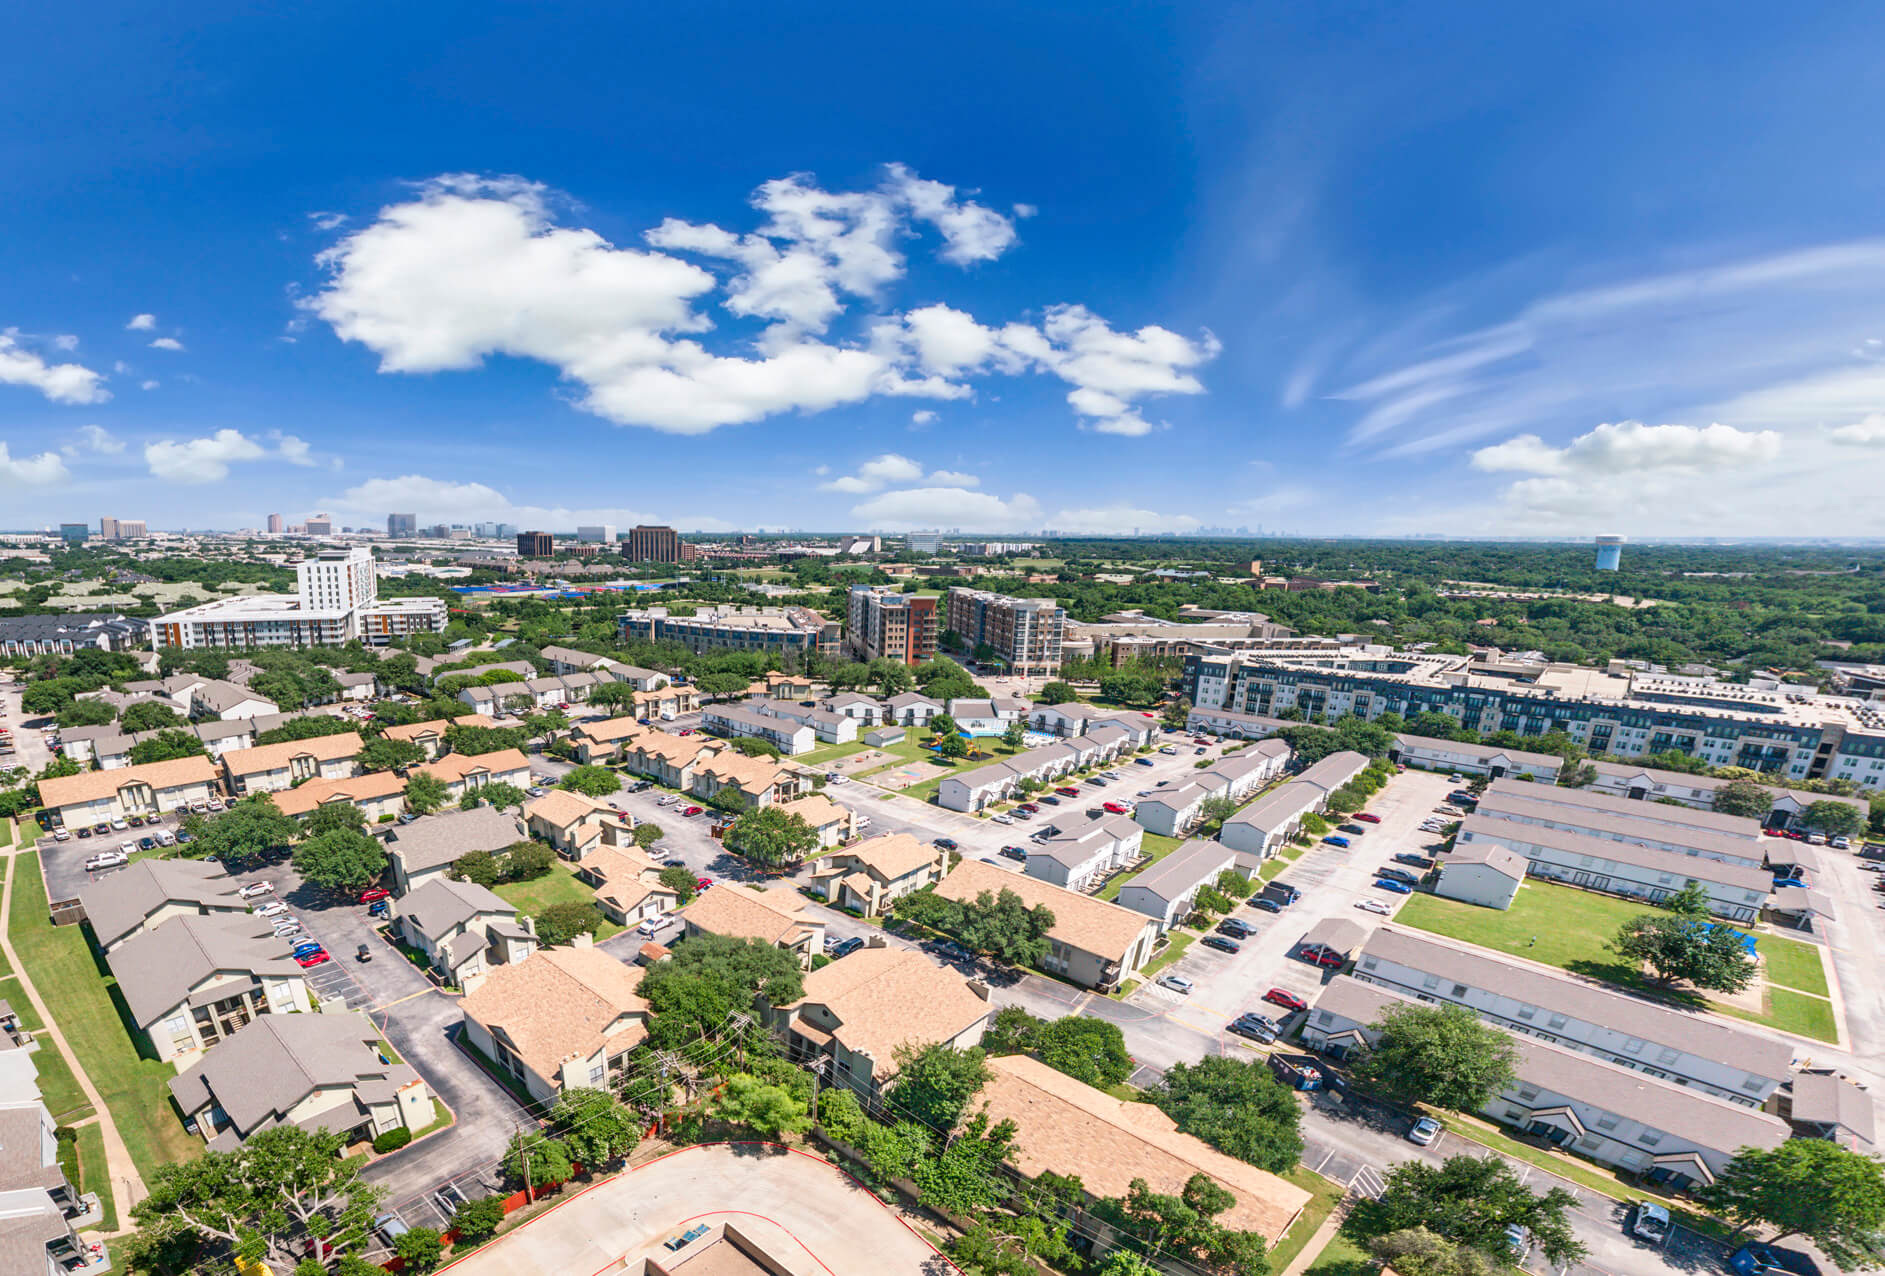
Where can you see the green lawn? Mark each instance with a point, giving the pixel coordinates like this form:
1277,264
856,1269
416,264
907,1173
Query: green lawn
6,831
1792,963
1324,1196
1565,927
1157,847
826,752
1179,941
57,1086
93,1176
1341,1257
557,886
134,1086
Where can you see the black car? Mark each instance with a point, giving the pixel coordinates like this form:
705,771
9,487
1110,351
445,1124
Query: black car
845,947
85,831
101,829
1014,853
946,843
674,861
1221,944
1235,929
1048,798
1418,861
1397,875
147,844
1267,905
1253,1026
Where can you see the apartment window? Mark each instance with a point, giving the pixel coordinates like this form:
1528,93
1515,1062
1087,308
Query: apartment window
1633,1046
1588,1143
1607,1122
1528,1092
1459,990
1515,1114
1430,981
1649,1138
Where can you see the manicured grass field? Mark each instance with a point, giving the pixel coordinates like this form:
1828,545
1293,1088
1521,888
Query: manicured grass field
93,1176
1792,963
57,1086
1154,845
557,886
826,752
1179,941
1341,1257
1324,1194
84,998
1792,1011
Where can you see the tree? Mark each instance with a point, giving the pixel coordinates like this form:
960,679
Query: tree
1005,928
304,728
719,685
419,1248
966,1177
1835,819
385,754
646,835
596,1128
329,816
1129,688
1087,1049
538,726
148,715
1057,692
935,1082
1176,714
1690,901
1415,1251
1186,1224
772,836
477,1221
681,881
1471,1201
500,795
561,922
425,793
952,747
1686,949
262,1199
526,860
941,724
534,1160
612,694
341,860
591,781
754,747
1217,808
472,740
709,977
1833,1196
481,867
769,1110
1440,1055
1012,1031
1015,735
1744,798
1237,1107
250,829
164,746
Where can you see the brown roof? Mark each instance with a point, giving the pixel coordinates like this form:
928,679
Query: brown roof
437,726
886,997
610,729
560,1004
1071,1128
818,810
746,912
456,766
752,775
274,757
673,749
96,785
1080,921
359,788
893,854
564,807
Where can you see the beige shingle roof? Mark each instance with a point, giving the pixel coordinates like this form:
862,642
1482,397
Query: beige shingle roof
95,785
1068,1127
886,997
893,854
1091,925
746,912
360,788
437,726
274,757
818,810
456,766
609,730
564,807
560,1004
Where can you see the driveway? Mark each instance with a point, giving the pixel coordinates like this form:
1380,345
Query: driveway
808,1214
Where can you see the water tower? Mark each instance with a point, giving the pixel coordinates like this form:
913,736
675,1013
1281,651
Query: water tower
1609,553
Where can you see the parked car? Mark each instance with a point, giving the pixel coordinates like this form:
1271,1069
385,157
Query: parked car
380,908
1142,762
1334,840
1235,929
165,838
1267,905
845,947
60,835
1221,944
307,946
1095,781
312,959
1116,808
274,908
1374,906
1002,819
1285,998
1389,884
1254,1026
372,893
1014,853
703,883
256,888
1354,829
1408,857
694,810
84,832
1650,1222
106,859
1067,790
944,843
1366,818
1177,983
1397,875
1424,1131
147,844
1050,799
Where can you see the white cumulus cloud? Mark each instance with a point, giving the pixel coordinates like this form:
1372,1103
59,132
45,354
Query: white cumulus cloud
141,323
1867,433
95,439
207,460
166,343
876,474
60,382
1630,446
923,417
31,471
920,507
952,478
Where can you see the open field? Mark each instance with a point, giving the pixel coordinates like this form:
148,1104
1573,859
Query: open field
557,886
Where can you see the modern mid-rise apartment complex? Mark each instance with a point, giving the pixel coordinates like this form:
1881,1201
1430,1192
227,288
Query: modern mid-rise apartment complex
402,524
1025,633
646,544
535,545
787,630
337,602
884,623
1784,731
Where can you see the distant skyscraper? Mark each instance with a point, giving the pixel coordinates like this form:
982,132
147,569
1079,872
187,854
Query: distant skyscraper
535,545
74,533
1609,553
107,529
274,522
402,524
653,545
320,525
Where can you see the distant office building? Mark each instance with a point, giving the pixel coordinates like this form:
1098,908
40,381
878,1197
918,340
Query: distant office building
883,623
1025,633
1609,553
337,601
787,631
274,523
596,533
121,529
402,524
535,545
653,545
320,525
924,542
505,532
74,533
107,529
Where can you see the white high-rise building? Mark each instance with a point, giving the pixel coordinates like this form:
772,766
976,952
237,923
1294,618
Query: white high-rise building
336,602
597,534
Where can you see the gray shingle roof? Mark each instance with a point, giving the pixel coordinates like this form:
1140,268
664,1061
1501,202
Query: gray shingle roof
442,904
158,969
1184,868
118,904
435,840
258,1075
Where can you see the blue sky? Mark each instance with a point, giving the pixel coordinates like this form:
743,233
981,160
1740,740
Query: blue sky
1467,269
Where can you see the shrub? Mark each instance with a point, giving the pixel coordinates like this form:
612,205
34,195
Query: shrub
392,1140
477,1221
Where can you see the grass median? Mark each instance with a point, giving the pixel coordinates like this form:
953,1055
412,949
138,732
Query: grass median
82,995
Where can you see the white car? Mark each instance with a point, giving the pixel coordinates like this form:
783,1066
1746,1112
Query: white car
287,926
274,908
836,778
1373,906
61,835
257,888
1003,819
127,849
166,838
863,821
120,824
1177,983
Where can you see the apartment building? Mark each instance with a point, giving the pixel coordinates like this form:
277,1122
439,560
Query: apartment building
877,872
270,768
1678,829
777,917
1653,1039
1648,784
27,636
1025,633
884,623
192,981
791,737
336,602
1092,943
1081,855
41,1211
149,892
1431,754
1785,731
790,632
563,1017
379,795
97,797
463,930
535,545
1167,890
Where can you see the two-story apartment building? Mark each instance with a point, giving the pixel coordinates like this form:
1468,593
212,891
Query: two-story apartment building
732,720
1086,852
193,981
429,846
98,797
430,736
563,1017
1651,785
379,795
603,741
147,893
270,768
1091,943
1167,890
1431,754
463,929
627,883
1264,827
877,872
1679,829
462,773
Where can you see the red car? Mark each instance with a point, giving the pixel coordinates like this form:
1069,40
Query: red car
1286,999
1067,790
703,883
373,893
692,810
1116,808
1029,807
313,959
1366,818
1771,832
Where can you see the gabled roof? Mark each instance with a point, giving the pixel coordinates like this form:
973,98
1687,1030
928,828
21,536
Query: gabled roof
358,788
117,905
437,726
93,786
560,1004
158,970
1501,859
1080,921
884,998
747,912
891,855
1823,1098
260,1073
435,840
564,807
609,730
276,757
442,905
456,766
